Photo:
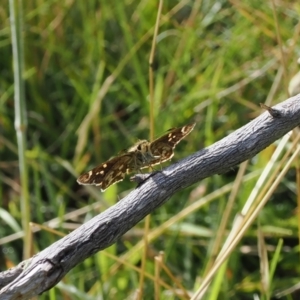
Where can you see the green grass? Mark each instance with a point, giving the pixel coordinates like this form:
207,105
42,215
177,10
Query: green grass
87,98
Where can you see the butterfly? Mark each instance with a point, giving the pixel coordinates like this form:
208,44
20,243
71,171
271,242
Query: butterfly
141,155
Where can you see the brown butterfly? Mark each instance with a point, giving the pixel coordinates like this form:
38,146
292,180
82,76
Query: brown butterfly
141,155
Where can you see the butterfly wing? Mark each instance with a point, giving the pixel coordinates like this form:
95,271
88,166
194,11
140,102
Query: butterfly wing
165,145
108,173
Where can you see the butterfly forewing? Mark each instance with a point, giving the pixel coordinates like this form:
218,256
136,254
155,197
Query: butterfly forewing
164,146
110,172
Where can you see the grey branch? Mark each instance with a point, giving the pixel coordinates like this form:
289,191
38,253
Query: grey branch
47,268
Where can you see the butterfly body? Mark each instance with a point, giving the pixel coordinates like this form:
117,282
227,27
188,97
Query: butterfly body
143,154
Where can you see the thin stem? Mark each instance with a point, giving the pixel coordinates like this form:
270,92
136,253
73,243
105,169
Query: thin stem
20,116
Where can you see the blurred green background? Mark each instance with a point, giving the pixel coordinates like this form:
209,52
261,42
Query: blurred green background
87,98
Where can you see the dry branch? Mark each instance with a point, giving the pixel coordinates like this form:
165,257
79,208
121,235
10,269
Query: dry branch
47,268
